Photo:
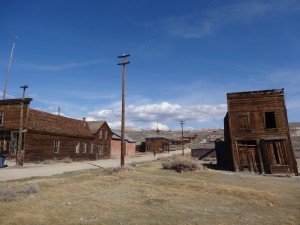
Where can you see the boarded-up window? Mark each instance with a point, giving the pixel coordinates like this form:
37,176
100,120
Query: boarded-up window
270,121
77,148
100,134
56,146
244,120
84,147
1,118
91,147
105,134
276,152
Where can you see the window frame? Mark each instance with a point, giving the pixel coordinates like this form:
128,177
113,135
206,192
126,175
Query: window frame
1,118
101,149
244,119
56,146
84,147
267,120
77,147
91,147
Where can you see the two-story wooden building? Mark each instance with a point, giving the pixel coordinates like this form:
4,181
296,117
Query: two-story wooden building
157,144
257,136
49,136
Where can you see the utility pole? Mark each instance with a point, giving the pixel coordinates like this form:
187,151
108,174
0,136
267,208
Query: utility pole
8,68
182,143
20,153
123,64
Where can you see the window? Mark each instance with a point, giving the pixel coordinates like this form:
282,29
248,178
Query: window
101,149
270,122
105,134
91,147
1,118
84,148
56,146
100,134
77,148
244,120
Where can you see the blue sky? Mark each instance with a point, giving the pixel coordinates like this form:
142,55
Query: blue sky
185,57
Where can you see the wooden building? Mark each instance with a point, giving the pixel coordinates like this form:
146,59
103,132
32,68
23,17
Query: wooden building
257,136
48,136
158,144
203,150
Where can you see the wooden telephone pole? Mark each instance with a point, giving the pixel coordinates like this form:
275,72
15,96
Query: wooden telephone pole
20,153
123,64
182,143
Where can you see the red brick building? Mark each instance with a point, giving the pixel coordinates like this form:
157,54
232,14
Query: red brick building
130,147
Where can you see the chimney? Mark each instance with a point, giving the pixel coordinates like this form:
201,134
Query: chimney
84,121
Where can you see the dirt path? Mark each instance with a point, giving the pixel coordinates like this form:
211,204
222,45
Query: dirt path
13,172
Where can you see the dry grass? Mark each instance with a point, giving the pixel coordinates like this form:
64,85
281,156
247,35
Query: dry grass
147,194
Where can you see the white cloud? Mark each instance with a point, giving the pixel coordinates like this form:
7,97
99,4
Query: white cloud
205,23
161,114
160,126
60,67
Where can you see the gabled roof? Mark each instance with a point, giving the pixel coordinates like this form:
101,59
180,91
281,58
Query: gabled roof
95,125
47,123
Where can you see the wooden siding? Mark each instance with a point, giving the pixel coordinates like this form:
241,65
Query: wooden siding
11,113
39,147
259,109
157,144
42,130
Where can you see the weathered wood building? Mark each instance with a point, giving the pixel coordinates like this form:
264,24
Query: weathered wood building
48,136
257,136
158,144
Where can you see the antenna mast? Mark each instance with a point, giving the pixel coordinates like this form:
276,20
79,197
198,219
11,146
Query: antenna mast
8,68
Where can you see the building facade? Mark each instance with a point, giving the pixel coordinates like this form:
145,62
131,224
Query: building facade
48,136
257,136
130,145
157,144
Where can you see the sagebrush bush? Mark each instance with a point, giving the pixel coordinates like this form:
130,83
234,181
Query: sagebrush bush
30,189
181,163
6,195
67,160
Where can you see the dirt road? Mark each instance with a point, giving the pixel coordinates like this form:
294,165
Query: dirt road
13,172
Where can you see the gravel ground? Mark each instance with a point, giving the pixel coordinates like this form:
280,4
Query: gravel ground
14,172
